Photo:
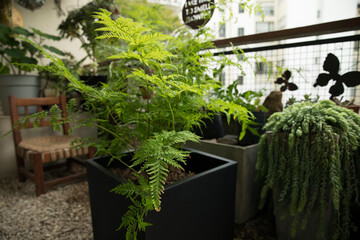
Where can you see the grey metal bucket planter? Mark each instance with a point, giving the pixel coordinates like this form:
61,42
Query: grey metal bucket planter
22,86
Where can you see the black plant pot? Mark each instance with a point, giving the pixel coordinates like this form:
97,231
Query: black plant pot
200,207
94,81
250,138
90,80
211,128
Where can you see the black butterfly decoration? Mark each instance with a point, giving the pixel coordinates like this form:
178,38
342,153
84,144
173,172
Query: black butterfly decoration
332,65
285,79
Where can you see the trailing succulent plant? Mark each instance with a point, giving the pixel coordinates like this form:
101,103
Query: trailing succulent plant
311,158
156,126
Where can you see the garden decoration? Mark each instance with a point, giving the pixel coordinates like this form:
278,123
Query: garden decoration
332,66
285,80
310,162
196,14
273,103
155,127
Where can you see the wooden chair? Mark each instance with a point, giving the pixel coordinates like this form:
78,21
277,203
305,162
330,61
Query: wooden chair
41,151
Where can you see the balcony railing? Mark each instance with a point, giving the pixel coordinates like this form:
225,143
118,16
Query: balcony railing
302,51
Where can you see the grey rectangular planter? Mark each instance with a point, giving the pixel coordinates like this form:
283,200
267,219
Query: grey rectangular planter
247,189
200,207
22,86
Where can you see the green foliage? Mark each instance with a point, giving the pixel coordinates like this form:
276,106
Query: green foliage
133,219
311,158
79,24
156,155
158,17
18,50
307,98
248,99
159,89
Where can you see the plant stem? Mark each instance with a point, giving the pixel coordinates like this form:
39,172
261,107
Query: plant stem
172,115
147,119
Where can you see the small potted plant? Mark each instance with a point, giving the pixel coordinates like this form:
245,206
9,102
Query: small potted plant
13,79
257,113
347,104
243,151
309,160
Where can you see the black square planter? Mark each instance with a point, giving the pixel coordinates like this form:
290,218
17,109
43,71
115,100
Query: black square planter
200,207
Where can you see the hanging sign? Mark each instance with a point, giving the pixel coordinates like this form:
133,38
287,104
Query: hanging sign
197,13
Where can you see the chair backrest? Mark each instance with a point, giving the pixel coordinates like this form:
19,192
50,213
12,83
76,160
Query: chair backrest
40,103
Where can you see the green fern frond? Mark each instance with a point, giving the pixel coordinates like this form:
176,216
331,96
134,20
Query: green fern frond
240,113
128,189
151,38
158,153
126,55
122,28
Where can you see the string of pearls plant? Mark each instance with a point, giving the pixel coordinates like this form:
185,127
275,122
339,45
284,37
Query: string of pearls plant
309,160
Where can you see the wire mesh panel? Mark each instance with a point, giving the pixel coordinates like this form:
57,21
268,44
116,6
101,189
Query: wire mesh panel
262,65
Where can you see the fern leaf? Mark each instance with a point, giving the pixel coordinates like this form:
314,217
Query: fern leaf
156,154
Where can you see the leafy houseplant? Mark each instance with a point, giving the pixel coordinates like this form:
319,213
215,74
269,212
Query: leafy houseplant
19,51
251,101
154,127
310,162
79,24
347,104
14,51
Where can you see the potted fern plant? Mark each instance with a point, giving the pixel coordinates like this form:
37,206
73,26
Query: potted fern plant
146,135
310,163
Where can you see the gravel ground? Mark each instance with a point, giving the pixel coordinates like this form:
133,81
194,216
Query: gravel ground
64,213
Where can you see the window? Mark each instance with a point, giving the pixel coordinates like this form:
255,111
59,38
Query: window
263,67
317,60
264,27
222,30
240,80
241,8
222,78
240,31
356,45
280,63
268,10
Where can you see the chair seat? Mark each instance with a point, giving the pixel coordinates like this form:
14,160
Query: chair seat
51,148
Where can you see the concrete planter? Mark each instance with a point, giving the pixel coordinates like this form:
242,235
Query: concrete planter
247,194
283,221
